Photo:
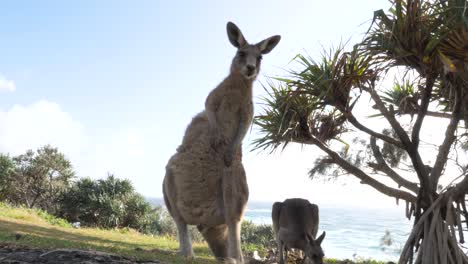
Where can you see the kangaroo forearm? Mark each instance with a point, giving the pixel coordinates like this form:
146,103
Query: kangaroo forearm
212,103
242,127
211,116
240,134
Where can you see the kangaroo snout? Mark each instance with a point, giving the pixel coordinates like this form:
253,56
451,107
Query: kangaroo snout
250,69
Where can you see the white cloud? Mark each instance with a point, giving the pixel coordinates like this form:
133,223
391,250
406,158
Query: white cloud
122,154
6,85
24,127
38,124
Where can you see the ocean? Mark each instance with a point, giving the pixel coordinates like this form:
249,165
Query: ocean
352,232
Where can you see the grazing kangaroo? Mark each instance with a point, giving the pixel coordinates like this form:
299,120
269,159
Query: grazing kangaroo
205,183
295,222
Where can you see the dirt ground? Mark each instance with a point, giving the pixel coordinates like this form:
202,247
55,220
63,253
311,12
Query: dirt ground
23,255
14,254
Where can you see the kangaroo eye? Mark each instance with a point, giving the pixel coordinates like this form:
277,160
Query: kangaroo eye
259,58
241,54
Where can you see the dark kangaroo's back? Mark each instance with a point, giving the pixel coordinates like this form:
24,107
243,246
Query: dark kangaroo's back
296,215
296,222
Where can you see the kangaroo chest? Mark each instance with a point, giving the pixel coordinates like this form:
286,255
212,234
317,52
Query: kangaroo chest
235,109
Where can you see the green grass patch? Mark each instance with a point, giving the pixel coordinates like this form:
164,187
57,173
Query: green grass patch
41,230
26,214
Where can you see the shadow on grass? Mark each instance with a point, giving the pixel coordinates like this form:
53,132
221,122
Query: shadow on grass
53,237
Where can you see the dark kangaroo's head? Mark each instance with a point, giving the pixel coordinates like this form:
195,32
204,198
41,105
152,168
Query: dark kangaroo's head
313,249
249,56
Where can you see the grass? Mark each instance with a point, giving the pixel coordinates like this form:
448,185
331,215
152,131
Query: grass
336,261
40,230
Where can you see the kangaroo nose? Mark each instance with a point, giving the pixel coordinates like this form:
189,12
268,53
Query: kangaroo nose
250,68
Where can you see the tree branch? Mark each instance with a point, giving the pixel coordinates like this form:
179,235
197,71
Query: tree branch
352,119
450,137
412,151
382,166
390,116
365,179
430,113
460,189
422,111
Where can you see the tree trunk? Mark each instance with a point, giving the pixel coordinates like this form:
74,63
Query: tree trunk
433,239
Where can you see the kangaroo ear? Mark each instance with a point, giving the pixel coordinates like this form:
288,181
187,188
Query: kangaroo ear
268,44
320,238
309,239
235,35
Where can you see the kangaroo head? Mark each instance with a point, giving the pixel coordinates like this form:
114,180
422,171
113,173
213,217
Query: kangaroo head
249,56
314,250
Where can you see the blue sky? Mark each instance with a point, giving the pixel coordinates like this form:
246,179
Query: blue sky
113,84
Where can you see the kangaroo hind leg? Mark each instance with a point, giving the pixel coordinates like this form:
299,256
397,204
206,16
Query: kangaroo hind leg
216,237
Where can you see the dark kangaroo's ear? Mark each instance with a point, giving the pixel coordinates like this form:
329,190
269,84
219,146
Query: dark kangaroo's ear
309,238
235,35
320,238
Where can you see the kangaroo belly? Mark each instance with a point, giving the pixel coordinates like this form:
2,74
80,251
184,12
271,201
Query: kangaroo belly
201,185
206,195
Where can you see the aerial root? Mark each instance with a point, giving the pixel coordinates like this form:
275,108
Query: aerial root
434,237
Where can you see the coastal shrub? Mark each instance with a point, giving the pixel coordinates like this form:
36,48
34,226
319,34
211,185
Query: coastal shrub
107,203
260,235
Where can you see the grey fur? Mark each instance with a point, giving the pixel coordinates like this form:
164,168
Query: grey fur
295,222
205,183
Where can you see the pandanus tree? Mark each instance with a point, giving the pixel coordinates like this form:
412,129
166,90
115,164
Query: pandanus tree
316,105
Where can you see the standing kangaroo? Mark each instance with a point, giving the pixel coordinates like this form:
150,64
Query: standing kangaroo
205,183
295,222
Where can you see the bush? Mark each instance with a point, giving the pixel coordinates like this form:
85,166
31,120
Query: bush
164,225
6,181
260,236
35,179
139,214
106,203
113,203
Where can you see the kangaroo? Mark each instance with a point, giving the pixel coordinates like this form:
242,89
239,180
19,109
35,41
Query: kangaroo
295,222
205,182
229,106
